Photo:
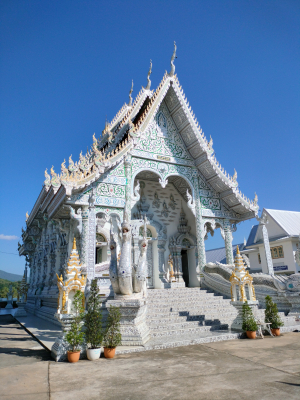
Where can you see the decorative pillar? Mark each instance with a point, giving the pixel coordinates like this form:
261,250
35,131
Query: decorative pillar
200,231
84,235
39,270
228,241
33,273
263,221
161,260
91,239
127,163
52,267
45,267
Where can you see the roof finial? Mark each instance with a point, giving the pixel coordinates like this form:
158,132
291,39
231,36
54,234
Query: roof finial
255,200
148,76
234,176
74,244
172,72
237,250
130,98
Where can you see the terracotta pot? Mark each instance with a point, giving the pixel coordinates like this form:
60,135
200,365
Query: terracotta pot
73,356
251,334
93,354
275,331
109,353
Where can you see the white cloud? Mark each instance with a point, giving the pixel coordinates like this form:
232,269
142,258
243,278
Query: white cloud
7,237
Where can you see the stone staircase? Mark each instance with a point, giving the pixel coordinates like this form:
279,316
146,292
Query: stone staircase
184,316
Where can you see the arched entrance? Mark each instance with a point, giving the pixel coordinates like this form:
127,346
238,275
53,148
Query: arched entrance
169,210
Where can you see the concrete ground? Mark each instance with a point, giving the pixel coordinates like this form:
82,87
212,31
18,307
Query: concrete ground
238,369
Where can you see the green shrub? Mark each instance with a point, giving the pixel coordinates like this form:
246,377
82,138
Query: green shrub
249,323
93,318
271,314
75,336
113,337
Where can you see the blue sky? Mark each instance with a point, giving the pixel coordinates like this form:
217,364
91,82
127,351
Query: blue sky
65,65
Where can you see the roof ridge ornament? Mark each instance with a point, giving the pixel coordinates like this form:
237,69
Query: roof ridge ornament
130,98
148,77
172,72
234,178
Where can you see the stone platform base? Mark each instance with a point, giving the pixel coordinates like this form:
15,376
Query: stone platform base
59,350
238,322
134,329
21,312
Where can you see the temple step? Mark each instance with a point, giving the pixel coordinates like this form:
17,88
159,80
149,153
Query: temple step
187,311
173,318
192,330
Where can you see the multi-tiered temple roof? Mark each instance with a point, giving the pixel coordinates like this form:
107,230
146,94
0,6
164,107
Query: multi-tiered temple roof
122,136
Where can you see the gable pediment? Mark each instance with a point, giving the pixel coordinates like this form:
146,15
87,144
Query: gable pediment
162,141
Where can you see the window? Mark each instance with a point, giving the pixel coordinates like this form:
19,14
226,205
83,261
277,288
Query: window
277,252
259,259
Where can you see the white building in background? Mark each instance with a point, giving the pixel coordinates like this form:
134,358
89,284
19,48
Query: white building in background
283,229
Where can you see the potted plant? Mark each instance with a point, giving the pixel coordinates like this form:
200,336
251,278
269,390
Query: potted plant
112,337
75,336
93,323
249,323
272,316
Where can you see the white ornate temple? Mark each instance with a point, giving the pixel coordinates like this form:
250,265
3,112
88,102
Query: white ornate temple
152,164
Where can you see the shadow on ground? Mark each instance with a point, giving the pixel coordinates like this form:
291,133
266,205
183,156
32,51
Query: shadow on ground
11,334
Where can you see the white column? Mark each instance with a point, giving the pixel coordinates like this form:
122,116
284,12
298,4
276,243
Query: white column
228,242
263,221
91,239
200,230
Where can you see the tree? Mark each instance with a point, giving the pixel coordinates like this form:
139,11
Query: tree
271,314
93,318
75,336
113,337
249,323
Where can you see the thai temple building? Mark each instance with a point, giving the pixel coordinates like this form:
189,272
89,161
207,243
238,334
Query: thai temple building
140,204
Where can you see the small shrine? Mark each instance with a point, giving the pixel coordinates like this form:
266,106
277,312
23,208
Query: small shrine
73,281
242,288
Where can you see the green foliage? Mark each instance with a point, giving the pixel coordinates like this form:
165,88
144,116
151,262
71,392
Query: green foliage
271,314
4,288
249,323
75,336
113,337
93,318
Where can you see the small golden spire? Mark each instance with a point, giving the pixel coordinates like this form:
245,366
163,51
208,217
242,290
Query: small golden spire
74,244
237,250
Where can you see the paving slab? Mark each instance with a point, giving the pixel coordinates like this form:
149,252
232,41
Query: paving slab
237,369
281,352
24,363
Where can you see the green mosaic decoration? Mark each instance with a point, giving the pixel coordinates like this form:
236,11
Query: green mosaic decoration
105,189
163,138
210,203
